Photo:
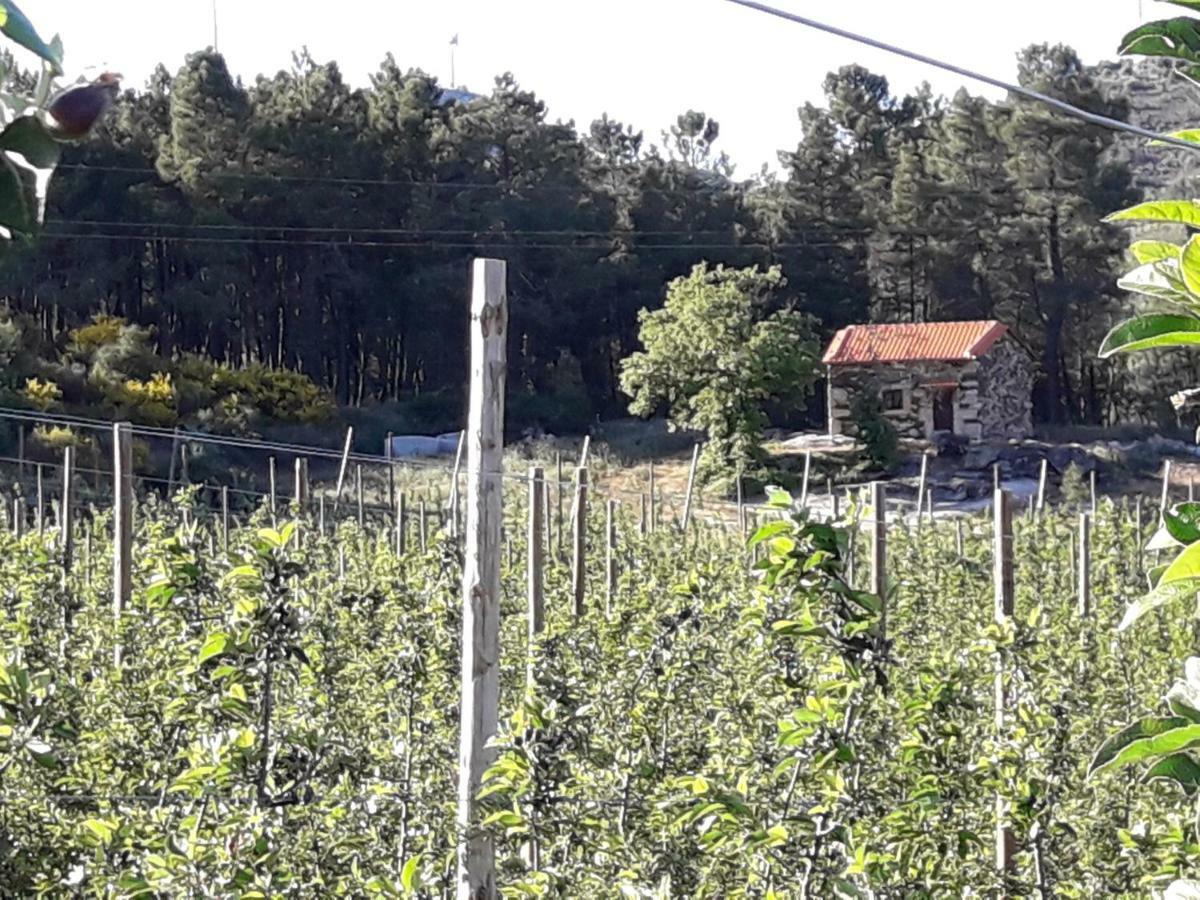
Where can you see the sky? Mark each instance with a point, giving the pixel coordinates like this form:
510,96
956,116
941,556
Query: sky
641,61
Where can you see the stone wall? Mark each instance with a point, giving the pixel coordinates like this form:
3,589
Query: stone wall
993,399
1006,392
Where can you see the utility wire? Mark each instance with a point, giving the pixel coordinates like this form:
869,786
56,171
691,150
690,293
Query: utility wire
1028,93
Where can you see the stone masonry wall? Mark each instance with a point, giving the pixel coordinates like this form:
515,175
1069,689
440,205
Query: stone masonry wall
1006,392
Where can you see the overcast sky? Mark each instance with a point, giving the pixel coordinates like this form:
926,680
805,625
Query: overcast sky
641,61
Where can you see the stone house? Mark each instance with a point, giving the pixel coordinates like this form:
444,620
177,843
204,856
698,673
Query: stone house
967,378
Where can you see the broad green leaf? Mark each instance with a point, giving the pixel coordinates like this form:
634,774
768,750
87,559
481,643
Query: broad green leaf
1161,595
1191,135
102,830
1154,251
409,874
14,205
1147,739
1177,38
1184,695
1161,279
1181,212
769,531
1186,4
28,137
1179,768
1163,540
1151,332
1183,522
17,28
214,645
1185,567
1189,264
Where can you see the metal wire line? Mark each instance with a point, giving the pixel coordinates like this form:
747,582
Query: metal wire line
1021,91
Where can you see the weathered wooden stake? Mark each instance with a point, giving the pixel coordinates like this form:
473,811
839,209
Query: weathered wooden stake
271,487
1137,527
225,518
741,505
642,515
879,550
691,486
585,452
358,495
321,515
67,508
1166,488
610,555
535,559
1004,599
995,476
122,523
391,470
401,524
171,466
39,513
453,500
1085,565
300,484
653,500
423,532
579,542
1092,485
958,538
480,701
342,465
560,487
1043,473
807,474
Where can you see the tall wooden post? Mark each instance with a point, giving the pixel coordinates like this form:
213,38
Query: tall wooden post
453,501
1166,490
741,506
300,485
122,522
225,517
691,486
642,515
921,485
1085,565
1041,491
534,550
358,495
401,524
171,466
39,514
804,484
271,487
67,508
321,515
653,500
585,451
423,526
610,555
1137,529
342,465
879,549
579,543
391,470
560,487
1004,599
1092,486
481,574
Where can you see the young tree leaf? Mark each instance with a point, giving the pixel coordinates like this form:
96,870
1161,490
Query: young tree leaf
1183,522
1151,332
1147,739
1146,252
1181,212
1179,768
1189,264
213,646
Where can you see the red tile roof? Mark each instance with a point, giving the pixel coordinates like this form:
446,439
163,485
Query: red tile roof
913,342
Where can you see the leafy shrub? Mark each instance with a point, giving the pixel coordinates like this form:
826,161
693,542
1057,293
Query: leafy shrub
279,394
42,395
880,441
1075,488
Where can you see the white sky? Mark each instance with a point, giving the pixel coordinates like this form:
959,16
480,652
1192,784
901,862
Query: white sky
641,61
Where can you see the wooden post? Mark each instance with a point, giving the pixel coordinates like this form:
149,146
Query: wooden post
321,515
642,515
1041,492
122,522
1004,599
171,466
423,526
271,487
345,461
453,501
225,517
558,515
610,555
1092,485
358,494
804,483
1137,527
879,550
741,505
401,524
1166,488
959,546
391,470
480,700
579,543
921,485
67,508
18,515
585,451
995,476
1085,565
183,463
1191,489
39,514
300,484
535,554
691,486
653,500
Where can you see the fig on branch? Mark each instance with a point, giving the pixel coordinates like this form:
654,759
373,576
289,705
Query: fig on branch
75,111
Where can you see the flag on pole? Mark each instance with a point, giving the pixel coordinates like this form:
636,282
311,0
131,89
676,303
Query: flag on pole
454,41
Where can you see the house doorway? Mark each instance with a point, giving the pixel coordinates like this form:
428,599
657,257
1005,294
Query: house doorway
943,409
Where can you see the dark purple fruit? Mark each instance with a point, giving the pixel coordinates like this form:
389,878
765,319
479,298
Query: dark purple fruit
75,111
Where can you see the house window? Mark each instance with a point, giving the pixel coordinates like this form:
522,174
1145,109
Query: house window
893,400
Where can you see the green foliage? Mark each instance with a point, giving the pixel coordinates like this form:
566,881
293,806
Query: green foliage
720,349
880,441
1075,489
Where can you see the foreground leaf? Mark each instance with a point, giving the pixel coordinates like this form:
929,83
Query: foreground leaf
1151,332
16,27
1147,739
1181,212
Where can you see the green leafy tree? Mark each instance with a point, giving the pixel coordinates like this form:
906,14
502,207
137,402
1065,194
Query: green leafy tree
722,346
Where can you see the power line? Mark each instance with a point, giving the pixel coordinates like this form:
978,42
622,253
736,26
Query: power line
1028,93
